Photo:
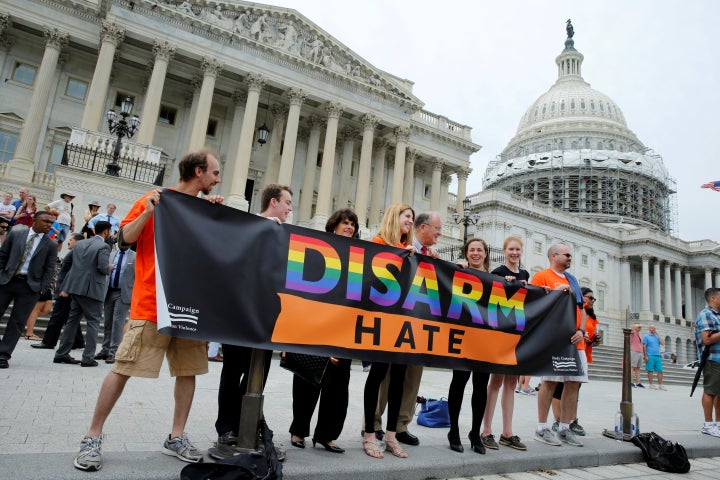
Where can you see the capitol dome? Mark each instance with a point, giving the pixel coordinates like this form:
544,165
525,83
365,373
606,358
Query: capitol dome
573,150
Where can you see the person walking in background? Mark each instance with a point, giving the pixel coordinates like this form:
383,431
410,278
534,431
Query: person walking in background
653,360
61,307
513,274
396,229
86,284
636,355
333,391
476,255
707,336
27,267
65,217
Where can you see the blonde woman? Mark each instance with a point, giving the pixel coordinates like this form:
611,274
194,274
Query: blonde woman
395,230
26,212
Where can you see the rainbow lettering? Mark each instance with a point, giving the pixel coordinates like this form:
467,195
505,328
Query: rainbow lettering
507,305
425,273
469,299
380,263
299,244
355,273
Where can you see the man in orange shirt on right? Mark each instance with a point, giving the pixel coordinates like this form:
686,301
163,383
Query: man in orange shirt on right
558,278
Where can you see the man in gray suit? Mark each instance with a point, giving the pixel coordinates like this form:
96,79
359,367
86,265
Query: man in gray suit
27,267
86,283
117,302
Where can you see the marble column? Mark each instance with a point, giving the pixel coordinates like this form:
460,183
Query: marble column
409,183
667,296
717,279
462,176
645,299
163,52
445,180
192,99
348,135
363,178
402,135
377,199
625,284
22,166
287,161
656,287
708,278
322,209
236,198
238,98
435,188
279,113
308,186
111,36
6,41
211,69
678,291
688,296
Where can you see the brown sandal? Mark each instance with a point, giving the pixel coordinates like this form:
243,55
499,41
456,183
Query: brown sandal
372,449
394,447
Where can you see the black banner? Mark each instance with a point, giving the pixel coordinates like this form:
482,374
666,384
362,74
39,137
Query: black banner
233,277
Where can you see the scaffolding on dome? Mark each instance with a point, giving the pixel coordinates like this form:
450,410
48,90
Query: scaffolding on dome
604,185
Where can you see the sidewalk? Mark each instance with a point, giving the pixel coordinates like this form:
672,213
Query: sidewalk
46,409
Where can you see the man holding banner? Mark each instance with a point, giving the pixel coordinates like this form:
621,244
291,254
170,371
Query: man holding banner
558,278
142,349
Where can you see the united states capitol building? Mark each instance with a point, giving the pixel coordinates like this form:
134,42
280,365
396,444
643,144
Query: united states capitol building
281,100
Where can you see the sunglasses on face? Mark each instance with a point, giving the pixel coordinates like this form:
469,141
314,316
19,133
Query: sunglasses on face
592,299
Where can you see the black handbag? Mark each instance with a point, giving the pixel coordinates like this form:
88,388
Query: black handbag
661,454
310,368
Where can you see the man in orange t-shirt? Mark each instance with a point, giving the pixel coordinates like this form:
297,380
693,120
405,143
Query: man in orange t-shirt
556,278
141,352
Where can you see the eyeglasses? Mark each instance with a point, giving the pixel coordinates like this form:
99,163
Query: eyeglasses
438,229
591,298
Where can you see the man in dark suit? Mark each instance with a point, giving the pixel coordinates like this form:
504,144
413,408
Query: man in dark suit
117,302
27,267
61,307
86,283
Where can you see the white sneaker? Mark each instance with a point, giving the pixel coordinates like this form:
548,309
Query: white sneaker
662,387
653,387
712,430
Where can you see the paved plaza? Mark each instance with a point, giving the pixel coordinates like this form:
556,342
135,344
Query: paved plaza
46,409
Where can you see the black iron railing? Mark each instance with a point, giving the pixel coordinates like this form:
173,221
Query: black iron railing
454,252
96,160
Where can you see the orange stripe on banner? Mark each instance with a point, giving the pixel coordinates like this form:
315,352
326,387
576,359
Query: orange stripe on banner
309,322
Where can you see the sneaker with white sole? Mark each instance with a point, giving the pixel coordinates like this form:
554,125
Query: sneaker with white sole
181,448
653,387
90,456
712,430
662,387
569,437
576,428
547,436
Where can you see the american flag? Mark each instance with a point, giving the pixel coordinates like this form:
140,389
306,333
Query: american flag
713,185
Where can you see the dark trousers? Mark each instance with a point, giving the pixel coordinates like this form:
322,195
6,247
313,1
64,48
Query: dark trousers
395,391
58,317
24,299
233,385
479,398
333,395
91,309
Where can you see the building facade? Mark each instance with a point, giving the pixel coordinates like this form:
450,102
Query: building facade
207,73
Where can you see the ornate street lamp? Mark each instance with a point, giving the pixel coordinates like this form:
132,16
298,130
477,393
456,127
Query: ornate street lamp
122,129
467,219
264,131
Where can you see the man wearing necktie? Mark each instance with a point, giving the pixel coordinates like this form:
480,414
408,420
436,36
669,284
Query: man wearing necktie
27,266
117,302
427,230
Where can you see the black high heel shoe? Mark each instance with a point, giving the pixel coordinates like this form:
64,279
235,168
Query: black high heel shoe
328,447
297,443
455,445
476,443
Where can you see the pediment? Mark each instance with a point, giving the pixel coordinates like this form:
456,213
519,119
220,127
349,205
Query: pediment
286,31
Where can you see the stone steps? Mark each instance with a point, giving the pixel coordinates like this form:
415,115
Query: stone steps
607,365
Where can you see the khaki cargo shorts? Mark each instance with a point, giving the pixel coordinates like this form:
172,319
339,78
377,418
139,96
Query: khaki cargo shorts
142,350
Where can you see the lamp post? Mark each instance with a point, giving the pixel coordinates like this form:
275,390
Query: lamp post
122,129
467,219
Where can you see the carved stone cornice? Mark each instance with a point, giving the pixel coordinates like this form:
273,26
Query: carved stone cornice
55,38
196,82
62,60
445,178
163,50
402,134
278,111
303,134
462,173
6,43
437,164
379,143
348,134
111,33
296,96
238,97
315,122
334,109
255,82
419,169
411,155
369,121
645,258
4,21
211,67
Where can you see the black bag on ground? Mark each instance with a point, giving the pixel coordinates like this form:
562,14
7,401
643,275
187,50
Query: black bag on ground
244,466
661,454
